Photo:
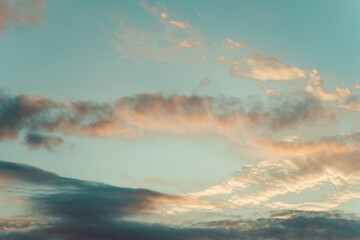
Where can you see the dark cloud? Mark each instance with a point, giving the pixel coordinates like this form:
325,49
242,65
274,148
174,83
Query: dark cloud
16,112
299,112
73,200
70,209
78,200
12,172
307,225
37,141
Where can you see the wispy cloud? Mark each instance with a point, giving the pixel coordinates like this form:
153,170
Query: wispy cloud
175,39
21,12
232,45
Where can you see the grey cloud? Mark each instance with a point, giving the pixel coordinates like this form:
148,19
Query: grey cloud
37,141
17,111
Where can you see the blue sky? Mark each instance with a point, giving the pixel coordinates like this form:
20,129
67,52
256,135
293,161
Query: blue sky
226,109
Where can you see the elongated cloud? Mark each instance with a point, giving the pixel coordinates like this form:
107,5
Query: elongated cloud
21,12
295,147
135,116
178,24
232,45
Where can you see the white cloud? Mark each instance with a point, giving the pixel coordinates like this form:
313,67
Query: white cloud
257,184
316,89
178,24
263,68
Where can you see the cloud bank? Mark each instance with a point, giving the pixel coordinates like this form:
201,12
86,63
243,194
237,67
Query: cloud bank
78,210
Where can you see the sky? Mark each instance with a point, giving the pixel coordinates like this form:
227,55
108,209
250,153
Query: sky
179,119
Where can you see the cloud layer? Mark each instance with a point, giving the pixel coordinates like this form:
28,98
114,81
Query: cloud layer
76,209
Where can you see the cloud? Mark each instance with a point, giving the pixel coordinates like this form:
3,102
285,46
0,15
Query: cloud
70,209
272,92
182,44
263,68
17,224
164,15
303,225
352,103
306,165
316,89
178,24
15,112
231,45
72,205
332,201
257,184
295,147
151,113
37,141
21,12
175,40
204,82
294,111
294,225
